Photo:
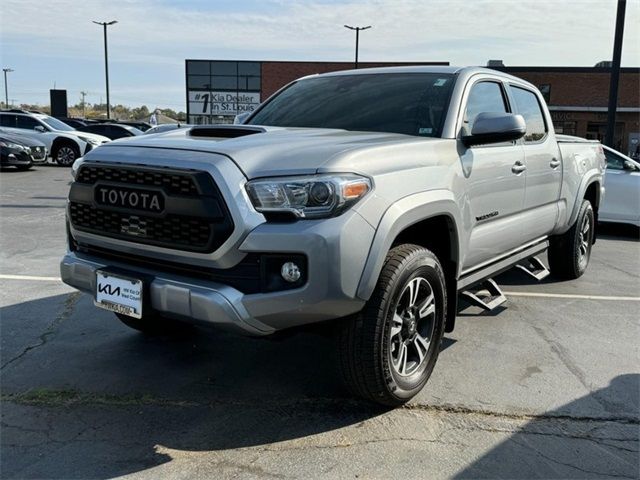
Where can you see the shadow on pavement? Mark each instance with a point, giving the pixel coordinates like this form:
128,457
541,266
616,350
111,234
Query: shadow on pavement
91,398
564,447
86,397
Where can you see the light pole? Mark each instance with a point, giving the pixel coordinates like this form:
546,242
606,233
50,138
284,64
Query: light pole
6,89
106,60
357,29
615,76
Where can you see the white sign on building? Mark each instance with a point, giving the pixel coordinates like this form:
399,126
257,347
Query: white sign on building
222,103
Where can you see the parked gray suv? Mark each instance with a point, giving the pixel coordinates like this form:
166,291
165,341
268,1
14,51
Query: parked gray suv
368,197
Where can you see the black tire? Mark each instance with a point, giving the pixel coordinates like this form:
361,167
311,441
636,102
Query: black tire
570,252
65,153
154,324
366,341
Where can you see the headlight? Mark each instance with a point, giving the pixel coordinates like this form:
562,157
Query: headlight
315,196
76,166
13,146
92,141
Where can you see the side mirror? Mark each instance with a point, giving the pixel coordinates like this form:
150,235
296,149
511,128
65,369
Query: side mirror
495,128
40,129
240,118
629,165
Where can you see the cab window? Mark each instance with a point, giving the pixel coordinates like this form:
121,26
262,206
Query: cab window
28,123
484,97
7,120
527,105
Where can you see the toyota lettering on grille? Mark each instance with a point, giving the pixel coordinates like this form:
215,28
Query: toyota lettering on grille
129,198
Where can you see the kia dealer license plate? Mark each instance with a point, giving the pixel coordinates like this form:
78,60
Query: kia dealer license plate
119,294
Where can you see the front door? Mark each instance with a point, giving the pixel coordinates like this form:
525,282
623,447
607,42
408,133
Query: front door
495,176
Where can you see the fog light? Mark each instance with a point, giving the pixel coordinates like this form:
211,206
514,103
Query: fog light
290,272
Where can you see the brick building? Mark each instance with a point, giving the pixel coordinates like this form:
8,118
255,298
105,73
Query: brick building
217,90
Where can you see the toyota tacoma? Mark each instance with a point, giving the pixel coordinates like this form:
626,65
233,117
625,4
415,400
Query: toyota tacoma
370,197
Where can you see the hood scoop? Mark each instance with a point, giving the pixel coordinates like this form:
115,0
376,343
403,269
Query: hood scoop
224,131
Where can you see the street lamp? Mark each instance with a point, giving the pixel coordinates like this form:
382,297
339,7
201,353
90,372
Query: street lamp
106,60
357,29
6,89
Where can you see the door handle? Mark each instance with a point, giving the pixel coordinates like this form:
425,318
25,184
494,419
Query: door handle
554,163
518,167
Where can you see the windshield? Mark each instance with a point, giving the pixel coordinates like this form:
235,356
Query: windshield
57,124
408,103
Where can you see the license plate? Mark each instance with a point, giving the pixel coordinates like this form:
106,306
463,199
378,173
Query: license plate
119,294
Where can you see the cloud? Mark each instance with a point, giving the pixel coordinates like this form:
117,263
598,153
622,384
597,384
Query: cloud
152,35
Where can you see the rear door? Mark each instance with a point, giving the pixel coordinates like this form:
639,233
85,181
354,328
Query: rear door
544,164
495,180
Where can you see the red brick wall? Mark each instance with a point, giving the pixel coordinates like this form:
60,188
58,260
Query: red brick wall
585,89
277,74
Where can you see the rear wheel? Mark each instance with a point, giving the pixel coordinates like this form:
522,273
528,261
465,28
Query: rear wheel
153,324
569,253
65,154
388,350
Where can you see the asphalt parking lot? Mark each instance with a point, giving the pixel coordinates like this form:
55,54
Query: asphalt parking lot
549,387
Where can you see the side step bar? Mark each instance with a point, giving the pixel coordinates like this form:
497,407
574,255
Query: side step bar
533,266
486,295
480,274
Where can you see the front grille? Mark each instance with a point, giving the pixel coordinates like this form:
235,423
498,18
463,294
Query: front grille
195,217
173,183
177,231
38,153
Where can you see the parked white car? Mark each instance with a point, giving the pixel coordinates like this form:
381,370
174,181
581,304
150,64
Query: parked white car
622,183
64,143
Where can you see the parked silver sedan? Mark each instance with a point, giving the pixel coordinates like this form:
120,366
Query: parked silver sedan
622,189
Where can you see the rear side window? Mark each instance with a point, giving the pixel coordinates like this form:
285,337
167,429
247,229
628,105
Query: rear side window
7,120
484,97
27,123
528,106
614,162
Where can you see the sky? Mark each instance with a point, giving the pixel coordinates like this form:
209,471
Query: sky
53,43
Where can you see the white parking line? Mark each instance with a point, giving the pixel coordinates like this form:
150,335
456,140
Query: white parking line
28,277
570,295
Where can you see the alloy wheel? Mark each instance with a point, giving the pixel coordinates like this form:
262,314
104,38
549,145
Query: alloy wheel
412,325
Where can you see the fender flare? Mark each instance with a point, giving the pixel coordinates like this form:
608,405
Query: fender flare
594,176
402,214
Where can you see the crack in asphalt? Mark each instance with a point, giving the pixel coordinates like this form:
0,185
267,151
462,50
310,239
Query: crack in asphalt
66,398
69,305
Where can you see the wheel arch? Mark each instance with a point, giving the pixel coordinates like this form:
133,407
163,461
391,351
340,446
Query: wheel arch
412,220
60,141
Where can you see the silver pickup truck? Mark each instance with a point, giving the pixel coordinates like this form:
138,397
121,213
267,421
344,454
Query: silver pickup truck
369,197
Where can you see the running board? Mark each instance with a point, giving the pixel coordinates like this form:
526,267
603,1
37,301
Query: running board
533,266
477,275
486,295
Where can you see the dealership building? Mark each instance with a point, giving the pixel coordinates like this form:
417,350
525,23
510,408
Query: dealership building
217,90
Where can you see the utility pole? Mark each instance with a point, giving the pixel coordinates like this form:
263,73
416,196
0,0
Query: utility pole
83,94
357,29
615,75
6,88
106,60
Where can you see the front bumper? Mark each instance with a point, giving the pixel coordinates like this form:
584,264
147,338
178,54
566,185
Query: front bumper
204,302
335,263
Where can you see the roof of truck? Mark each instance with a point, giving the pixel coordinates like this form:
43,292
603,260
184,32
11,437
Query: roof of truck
442,69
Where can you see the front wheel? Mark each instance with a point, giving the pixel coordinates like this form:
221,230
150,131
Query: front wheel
65,154
569,253
388,351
